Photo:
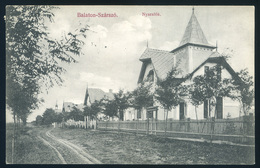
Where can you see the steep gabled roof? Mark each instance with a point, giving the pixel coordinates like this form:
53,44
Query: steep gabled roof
163,64
96,94
161,60
151,53
193,33
68,106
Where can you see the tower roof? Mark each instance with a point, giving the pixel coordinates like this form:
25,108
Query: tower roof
193,33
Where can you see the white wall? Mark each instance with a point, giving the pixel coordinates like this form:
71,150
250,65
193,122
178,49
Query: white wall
229,106
130,114
224,72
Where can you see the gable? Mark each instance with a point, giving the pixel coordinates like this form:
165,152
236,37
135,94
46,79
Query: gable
211,61
148,68
159,60
200,71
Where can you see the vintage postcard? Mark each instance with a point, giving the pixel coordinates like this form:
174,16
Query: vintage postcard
130,85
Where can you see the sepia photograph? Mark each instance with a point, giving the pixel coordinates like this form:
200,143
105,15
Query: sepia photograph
153,85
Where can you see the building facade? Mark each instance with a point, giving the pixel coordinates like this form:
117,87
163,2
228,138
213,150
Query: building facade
193,56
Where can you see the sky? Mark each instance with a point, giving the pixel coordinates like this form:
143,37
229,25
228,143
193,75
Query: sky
110,56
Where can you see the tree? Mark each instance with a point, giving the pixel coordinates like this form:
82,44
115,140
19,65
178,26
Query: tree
22,98
39,120
109,108
76,114
33,57
93,110
122,102
49,116
243,90
59,117
209,87
170,92
142,96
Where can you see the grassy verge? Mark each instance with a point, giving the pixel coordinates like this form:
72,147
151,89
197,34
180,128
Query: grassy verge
113,148
29,149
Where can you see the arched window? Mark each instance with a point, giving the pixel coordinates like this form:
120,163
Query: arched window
150,76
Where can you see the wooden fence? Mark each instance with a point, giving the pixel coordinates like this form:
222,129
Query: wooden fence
225,130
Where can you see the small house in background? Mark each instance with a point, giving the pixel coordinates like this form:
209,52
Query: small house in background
68,106
193,57
96,94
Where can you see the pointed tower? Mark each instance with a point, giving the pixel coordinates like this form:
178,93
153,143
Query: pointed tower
193,33
56,106
63,107
86,97
193,48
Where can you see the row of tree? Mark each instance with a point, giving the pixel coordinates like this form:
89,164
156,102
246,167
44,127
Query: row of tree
169,93
50,116
33,58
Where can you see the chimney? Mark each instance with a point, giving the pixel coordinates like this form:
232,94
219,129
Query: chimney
110,91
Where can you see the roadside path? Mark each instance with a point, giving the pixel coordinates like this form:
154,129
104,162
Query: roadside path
66,151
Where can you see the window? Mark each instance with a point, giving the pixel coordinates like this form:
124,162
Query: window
219,107
182,116
206,109
206,68
219,72
150,114
150,76
138,113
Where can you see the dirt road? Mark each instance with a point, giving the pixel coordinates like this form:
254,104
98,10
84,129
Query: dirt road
66,152
121,148
41,145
